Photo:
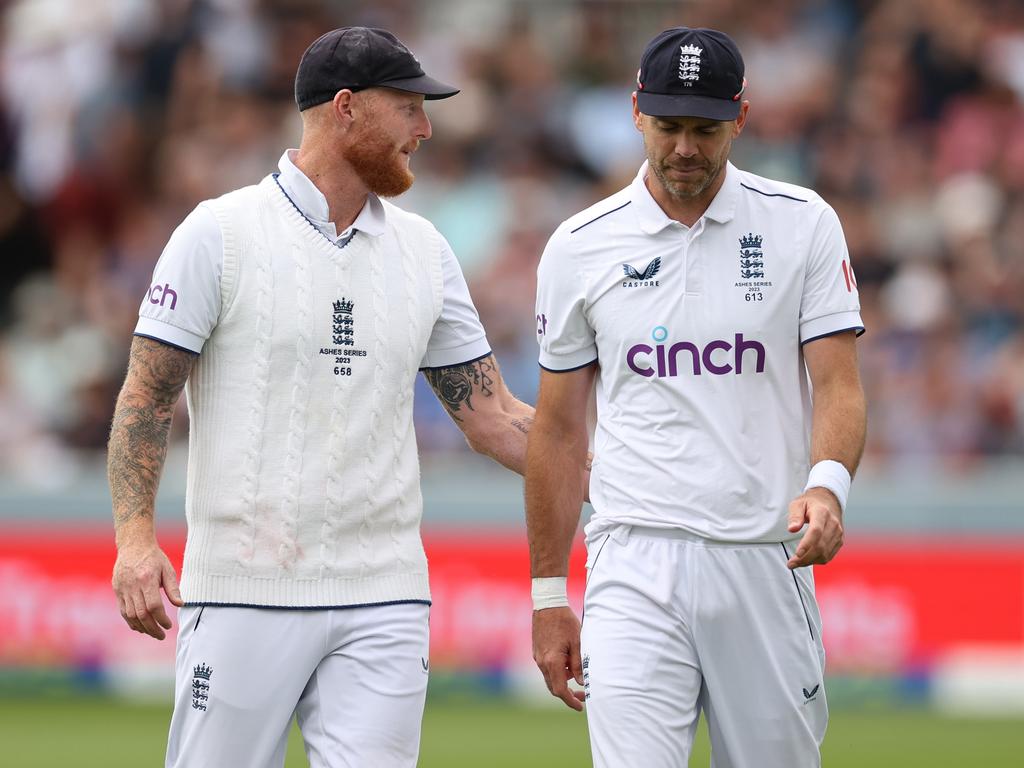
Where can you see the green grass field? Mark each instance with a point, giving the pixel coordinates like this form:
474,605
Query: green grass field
106,733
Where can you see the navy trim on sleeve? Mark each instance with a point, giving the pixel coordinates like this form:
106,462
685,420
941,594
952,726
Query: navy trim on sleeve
858,328
456,365
169,344
773,194
568,370
613,210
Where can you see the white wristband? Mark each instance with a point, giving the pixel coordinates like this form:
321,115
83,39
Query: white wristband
549,593
833,476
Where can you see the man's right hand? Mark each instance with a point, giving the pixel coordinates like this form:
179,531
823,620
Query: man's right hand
141,570
556,649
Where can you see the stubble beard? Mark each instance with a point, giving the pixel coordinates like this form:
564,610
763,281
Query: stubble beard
685,191
378,164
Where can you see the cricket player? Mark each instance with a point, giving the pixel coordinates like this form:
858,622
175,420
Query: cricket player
716,312
296,313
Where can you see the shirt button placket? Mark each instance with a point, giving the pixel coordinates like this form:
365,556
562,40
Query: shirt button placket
694,282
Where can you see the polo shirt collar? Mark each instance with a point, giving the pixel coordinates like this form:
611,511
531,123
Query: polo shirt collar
313,205
653,219
723,207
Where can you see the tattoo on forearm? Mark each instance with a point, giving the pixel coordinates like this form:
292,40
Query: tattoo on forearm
523,424
142,421
458,384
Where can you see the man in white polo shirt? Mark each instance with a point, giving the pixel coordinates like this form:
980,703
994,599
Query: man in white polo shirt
299,311
716,311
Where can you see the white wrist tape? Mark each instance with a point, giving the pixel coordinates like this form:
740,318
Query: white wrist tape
549,593
833,476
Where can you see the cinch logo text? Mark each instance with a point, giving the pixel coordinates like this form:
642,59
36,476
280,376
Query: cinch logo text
158,294
666,362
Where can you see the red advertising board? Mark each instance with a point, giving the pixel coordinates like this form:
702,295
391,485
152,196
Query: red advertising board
888,605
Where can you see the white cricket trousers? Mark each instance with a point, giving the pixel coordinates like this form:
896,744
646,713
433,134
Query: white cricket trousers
356,678
674,624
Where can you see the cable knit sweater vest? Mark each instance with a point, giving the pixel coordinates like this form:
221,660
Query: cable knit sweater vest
303,477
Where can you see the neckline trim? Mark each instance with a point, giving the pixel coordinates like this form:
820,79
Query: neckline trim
339,244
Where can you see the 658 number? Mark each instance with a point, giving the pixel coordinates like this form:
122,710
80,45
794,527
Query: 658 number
342,371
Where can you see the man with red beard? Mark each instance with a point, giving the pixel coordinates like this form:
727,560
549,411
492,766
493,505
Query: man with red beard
298,312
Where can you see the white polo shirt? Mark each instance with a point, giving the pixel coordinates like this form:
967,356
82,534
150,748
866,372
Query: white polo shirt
704,409
183,304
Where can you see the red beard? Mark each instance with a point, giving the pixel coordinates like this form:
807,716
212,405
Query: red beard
378,164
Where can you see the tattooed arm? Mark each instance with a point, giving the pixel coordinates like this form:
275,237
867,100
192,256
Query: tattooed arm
494,421
135,460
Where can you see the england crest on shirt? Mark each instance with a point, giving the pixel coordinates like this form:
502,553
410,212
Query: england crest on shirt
343,323
751,257
343,338
752,269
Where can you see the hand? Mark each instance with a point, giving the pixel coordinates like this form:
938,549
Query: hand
819,509
556,649
139,573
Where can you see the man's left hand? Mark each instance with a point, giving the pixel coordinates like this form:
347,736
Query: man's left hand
818,509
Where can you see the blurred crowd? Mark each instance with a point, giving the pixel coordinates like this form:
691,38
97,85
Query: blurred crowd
118,116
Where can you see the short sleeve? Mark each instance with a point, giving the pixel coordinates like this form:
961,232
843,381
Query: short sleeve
830,302
183,302
458,336
566,339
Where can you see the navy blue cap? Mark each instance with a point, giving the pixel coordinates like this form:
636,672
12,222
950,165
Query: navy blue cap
691,73
357,58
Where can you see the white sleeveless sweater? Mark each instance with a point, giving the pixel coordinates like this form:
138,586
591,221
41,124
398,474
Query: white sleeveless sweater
303,476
